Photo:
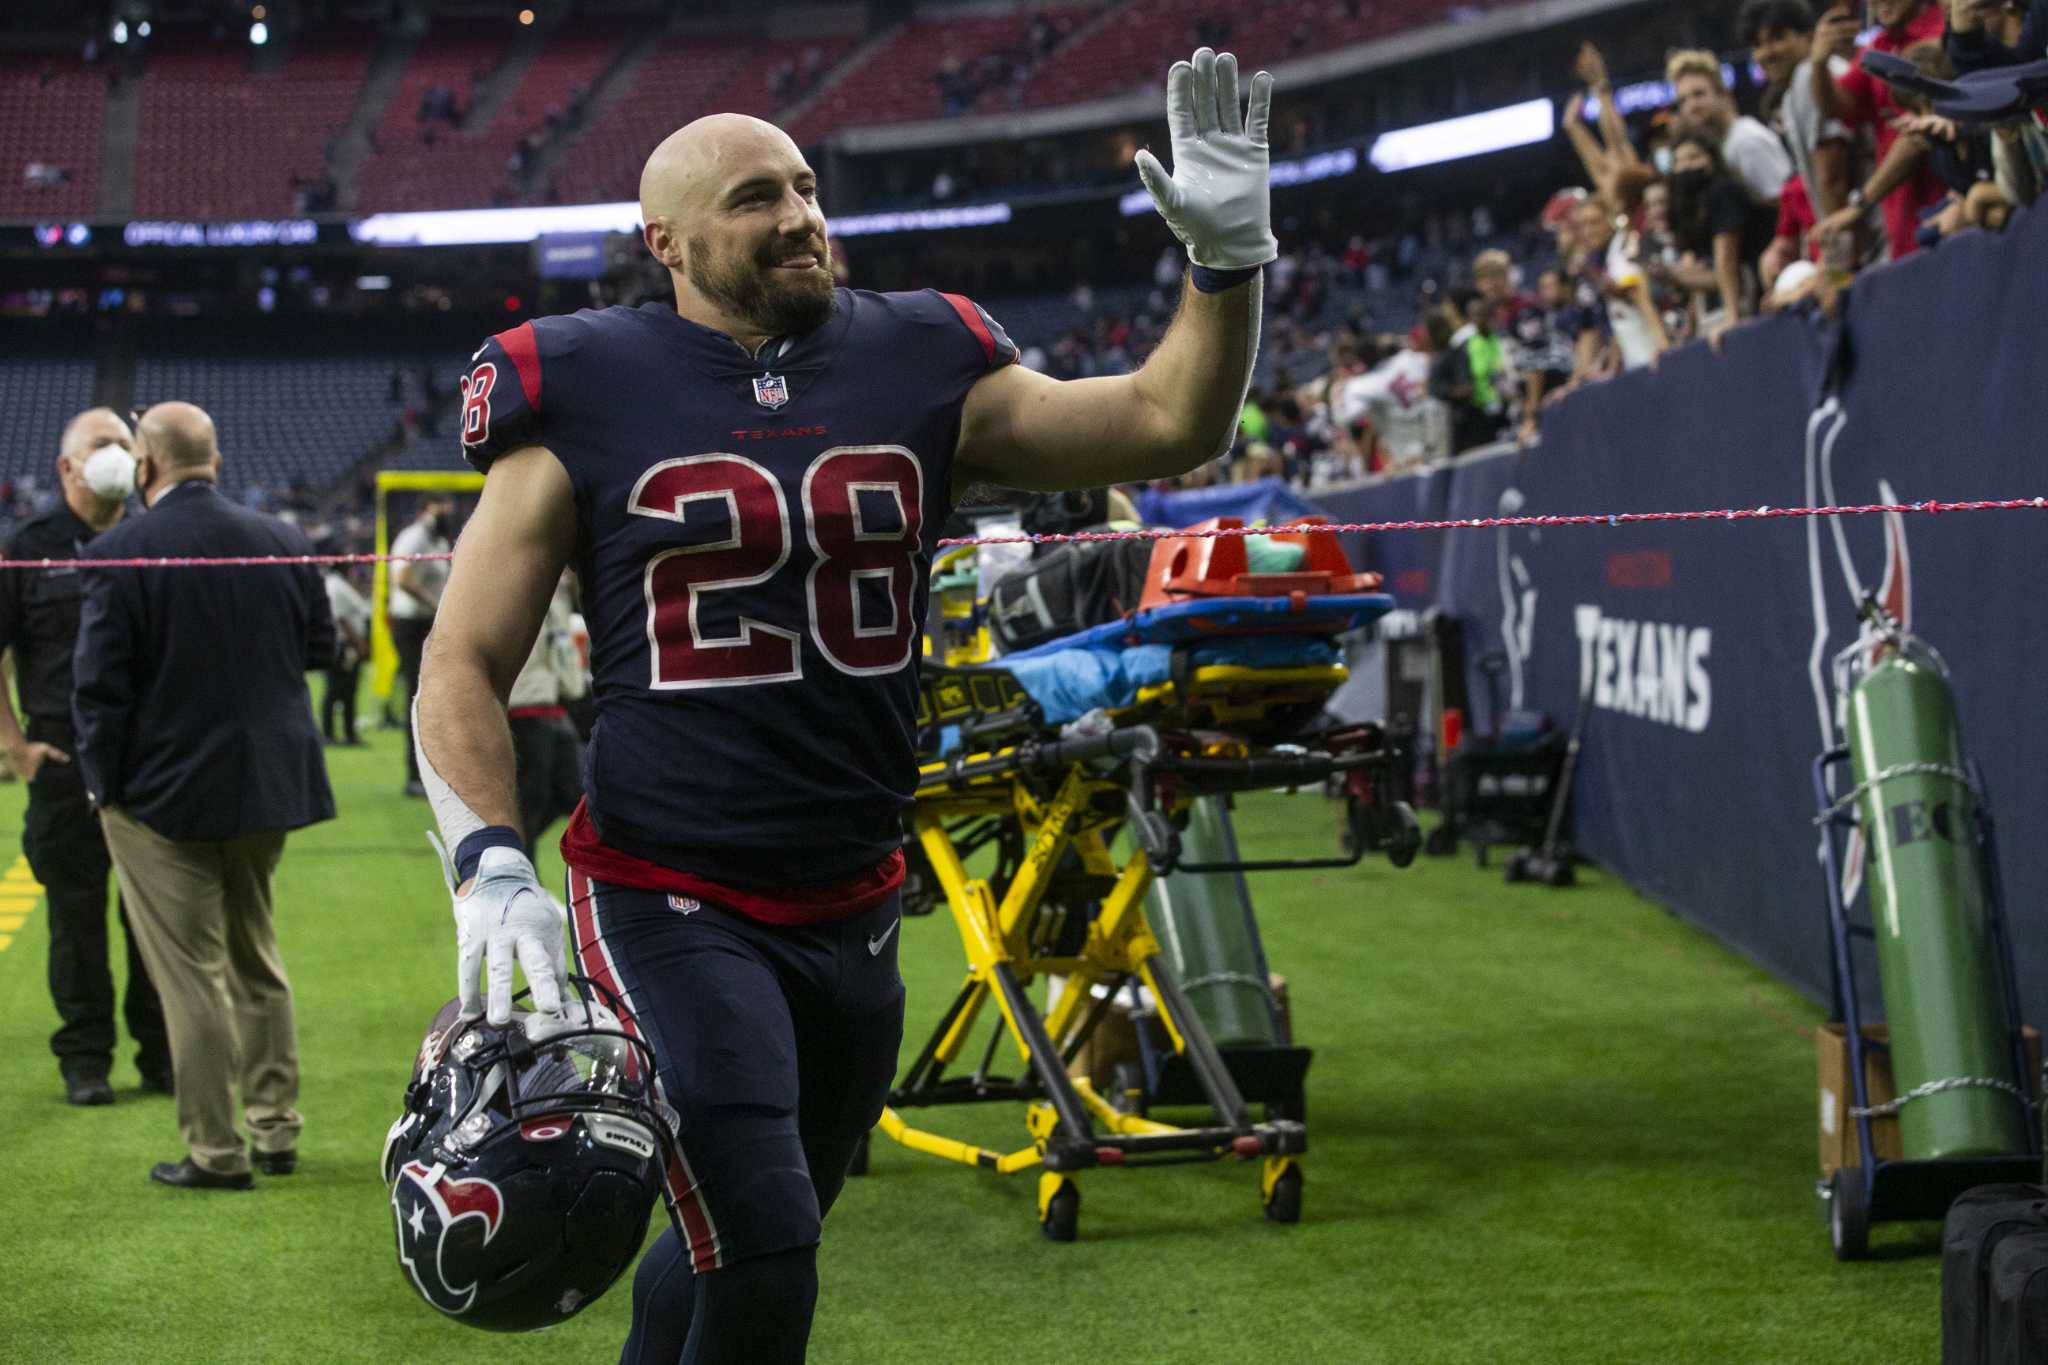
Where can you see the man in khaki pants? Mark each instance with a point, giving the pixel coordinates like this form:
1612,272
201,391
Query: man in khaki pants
196,741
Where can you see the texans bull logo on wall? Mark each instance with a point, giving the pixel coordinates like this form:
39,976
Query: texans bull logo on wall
434,1210
1892,591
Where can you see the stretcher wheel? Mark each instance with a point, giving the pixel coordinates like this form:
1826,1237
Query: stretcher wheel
1849,1214
1517,869
859,1164
1442,841
1061,1221
1407,837
1283,1204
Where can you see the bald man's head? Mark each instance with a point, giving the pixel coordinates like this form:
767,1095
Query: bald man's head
731,208
178,438
686,172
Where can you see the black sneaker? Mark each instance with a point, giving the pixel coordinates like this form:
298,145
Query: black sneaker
157,1078
85,1089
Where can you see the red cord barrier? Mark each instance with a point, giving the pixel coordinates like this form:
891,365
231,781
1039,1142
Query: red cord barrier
224,562
1453,524
1483,523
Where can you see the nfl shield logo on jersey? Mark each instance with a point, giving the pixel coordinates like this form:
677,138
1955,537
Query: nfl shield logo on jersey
771,391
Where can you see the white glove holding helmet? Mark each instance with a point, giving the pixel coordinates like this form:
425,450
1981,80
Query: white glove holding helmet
507,917
1218,199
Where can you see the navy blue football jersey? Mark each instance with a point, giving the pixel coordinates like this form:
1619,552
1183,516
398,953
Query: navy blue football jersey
754,538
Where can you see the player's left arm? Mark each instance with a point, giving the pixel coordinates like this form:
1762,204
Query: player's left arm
1025,430
1022,429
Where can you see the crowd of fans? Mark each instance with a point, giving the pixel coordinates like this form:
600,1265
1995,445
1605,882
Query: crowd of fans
1707,217
1722,215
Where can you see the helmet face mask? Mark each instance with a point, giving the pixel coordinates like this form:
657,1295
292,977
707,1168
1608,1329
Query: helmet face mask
526,1163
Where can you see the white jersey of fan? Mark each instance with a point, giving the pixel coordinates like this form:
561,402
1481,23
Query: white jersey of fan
1395,397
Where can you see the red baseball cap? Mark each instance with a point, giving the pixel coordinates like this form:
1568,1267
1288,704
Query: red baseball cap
1563,204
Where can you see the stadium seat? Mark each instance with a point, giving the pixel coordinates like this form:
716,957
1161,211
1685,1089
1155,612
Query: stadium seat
687,76
397,169
469,166
51,109
1133,49
339,411
899,81
218,141
46,379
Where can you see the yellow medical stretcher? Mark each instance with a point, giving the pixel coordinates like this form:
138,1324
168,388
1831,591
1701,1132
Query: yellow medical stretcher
1042,762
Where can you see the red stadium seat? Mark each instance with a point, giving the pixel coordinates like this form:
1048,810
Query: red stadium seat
467,167
50,113
687,76
899,81
219,142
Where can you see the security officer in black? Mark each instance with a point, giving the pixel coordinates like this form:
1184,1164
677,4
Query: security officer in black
39,626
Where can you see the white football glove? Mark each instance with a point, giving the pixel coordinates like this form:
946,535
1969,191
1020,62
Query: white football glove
507,916
1217,200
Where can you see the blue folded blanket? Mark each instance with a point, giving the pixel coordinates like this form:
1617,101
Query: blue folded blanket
1069,683
1214,618
1105,665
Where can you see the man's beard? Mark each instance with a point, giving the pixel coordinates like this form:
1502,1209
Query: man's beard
757,291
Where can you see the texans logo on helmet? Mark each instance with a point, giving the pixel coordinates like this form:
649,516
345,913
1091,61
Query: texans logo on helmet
430,1208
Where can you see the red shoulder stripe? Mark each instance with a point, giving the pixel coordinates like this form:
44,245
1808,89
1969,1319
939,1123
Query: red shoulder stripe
971,315
524,349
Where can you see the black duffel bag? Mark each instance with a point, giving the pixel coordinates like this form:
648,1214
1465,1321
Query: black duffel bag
1979,1225
1069,588
2016,1309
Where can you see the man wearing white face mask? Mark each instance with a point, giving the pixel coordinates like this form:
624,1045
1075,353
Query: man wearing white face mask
61,835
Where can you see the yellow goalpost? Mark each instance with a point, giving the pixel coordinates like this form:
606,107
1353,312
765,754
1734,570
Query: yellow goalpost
383,654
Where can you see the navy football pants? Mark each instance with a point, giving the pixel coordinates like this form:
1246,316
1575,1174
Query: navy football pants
776,1047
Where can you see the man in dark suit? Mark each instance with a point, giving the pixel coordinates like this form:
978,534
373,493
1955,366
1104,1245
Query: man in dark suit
60,834
196,740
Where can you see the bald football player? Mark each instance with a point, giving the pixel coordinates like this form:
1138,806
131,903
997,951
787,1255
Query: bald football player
749,485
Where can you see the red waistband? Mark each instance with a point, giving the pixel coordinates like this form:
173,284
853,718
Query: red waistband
538,713
790,905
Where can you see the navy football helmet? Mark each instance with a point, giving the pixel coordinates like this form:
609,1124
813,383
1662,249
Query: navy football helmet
526,1164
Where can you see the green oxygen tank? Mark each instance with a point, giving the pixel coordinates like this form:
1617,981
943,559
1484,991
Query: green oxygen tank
1938,959
1204,921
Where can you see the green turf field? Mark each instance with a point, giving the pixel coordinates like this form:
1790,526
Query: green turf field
1545,1127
